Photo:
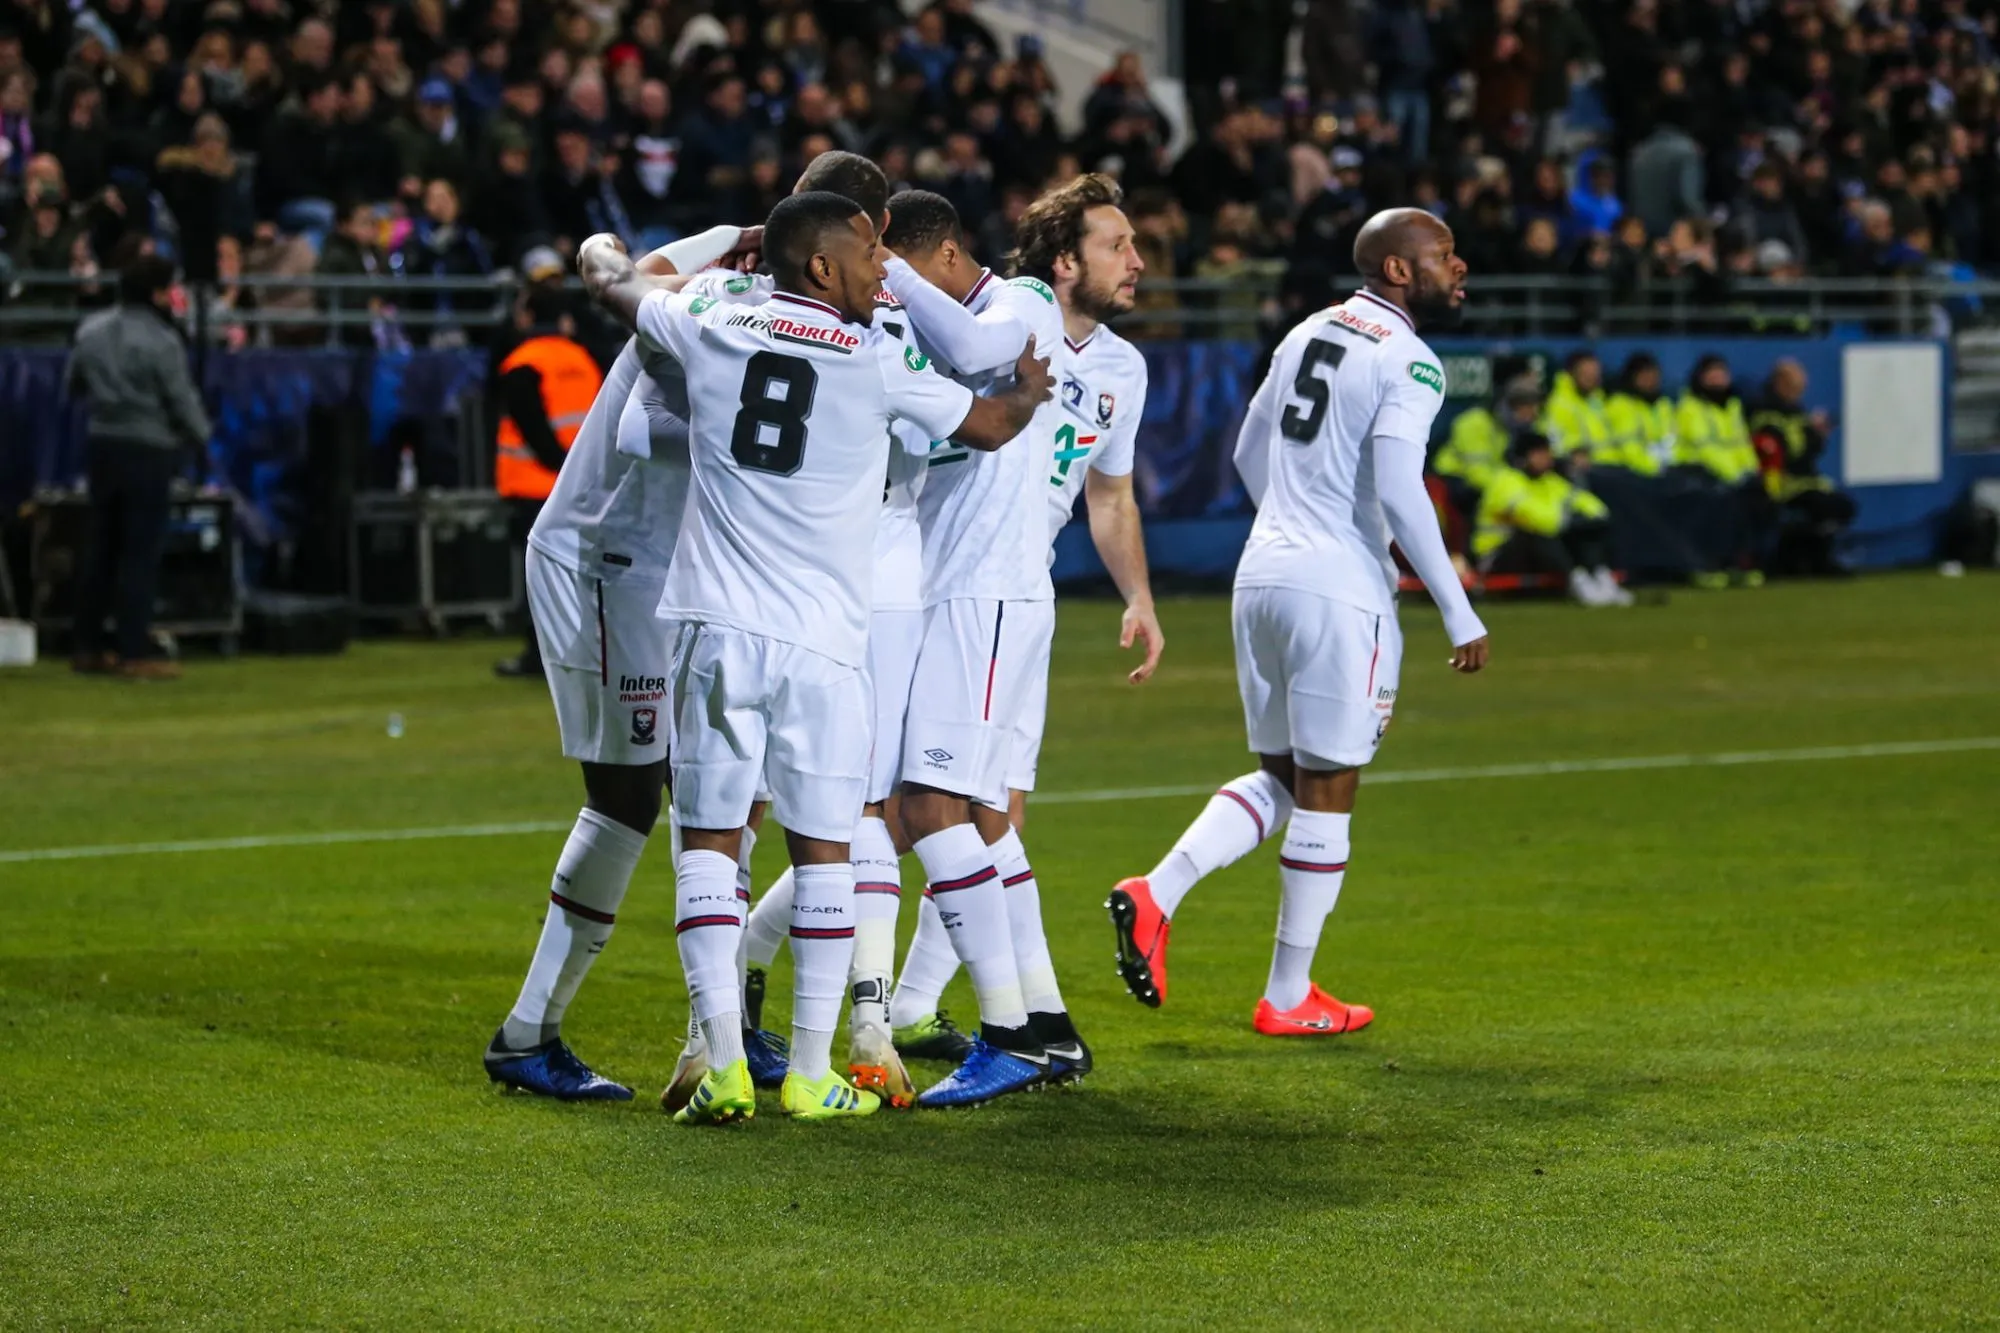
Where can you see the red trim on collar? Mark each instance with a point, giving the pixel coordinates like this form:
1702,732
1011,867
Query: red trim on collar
807,301
985,276
1390,306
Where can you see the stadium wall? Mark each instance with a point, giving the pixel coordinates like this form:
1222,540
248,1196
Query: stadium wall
1197,513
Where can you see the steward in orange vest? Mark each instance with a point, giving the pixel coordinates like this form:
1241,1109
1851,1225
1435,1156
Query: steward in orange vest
544,387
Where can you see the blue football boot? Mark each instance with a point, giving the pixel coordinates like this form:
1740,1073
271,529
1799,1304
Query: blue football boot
551,1070
770,1057
988,1072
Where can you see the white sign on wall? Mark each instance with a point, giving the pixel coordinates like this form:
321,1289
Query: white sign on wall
1892,413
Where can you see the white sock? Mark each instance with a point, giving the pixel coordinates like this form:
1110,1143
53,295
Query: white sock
822,947
927,969
1311,868
1242,814
591,876
723,1035
973,908
743,882
1024,923
708,919
770,922
878,888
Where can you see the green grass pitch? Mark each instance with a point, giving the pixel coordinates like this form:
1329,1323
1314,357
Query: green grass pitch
1697,1046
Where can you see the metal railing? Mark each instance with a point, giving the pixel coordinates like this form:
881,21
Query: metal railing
269,307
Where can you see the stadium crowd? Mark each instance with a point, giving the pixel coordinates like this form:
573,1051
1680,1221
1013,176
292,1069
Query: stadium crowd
1639,141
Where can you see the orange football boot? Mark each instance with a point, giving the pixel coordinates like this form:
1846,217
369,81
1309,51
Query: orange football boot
1142,940
1318,1015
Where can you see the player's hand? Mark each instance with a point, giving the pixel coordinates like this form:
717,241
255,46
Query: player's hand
1141,622
603,240
1032,373
747,253
1470,657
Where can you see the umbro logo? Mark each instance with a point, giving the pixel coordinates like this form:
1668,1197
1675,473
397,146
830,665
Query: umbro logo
937,756
948,918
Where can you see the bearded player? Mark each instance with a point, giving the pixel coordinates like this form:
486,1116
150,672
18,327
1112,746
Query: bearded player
1332,450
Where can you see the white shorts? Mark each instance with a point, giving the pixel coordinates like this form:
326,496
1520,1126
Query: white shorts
1024,754
976,674
1318,677
893,640
606,655
754,714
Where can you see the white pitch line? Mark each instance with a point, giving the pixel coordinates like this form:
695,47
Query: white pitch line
1550,768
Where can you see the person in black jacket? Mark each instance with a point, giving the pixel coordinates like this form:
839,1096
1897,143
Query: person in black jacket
301,158
441,246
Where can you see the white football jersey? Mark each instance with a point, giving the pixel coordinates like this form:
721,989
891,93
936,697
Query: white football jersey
985,515
898,545
609,511
1104,396
789,429
1341,378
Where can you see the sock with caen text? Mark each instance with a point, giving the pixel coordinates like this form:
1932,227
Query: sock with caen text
878,893
927,968
973,907
822,936
708,921
591,876
1311,868
1241,815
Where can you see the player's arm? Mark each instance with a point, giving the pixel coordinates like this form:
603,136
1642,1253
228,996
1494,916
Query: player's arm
998,418
708,249
1121,543
520,395
615,282
1253,441
1399,480
970,344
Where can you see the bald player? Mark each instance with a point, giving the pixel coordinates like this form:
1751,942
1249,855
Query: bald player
1332,451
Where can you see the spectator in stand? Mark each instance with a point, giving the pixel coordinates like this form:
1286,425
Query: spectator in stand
1505,63
1594,206
1121,94
717,144
17,127
1399,42
1546,195
208,193
506,204
1533,520
577,196
1540,254
1712,437
650,165
1667,180
354,250
967,179
433,144
1789,440
370,163
79,137
1765,214
925,50
299,161
441,246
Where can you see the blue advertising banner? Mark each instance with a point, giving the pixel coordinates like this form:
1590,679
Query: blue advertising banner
1197,513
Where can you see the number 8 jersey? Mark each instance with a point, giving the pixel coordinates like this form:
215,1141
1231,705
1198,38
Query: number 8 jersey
790,411
1344,376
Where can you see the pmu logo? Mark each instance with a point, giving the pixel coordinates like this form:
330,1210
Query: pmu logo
939,758
645,725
